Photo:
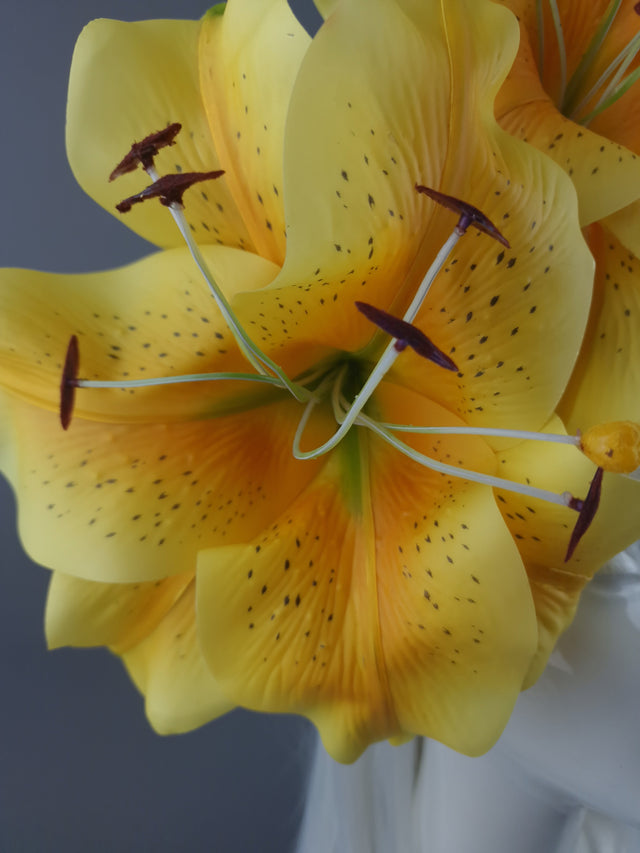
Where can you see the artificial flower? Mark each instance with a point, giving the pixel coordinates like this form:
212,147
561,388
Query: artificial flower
359,587
573,92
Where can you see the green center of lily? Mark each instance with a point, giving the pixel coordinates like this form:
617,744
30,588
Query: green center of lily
593,85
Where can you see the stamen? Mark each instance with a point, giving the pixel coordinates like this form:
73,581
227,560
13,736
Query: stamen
587,510
68,382
169,189
142,153
469,215
406,335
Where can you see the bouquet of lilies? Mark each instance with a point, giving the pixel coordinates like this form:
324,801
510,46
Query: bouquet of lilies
353,440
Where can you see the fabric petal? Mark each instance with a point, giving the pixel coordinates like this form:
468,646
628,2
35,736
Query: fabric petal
604,386
511,319
542,530
315,616
606,174
376,236
169,669
129,504
246,95
152,318
88,613
129,80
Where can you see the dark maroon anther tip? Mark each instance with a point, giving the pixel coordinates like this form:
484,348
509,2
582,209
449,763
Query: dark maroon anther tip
142,153
406,335
169,189
469,215
68,382
586,512
636,8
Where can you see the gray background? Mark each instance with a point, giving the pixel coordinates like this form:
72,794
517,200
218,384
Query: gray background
80,770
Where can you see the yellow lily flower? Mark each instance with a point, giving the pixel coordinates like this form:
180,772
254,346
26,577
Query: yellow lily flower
195,528
573,92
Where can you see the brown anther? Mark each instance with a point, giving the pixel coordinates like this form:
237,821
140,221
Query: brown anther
169,189
586,511
142,153
406,335
636,8
469,215
68,383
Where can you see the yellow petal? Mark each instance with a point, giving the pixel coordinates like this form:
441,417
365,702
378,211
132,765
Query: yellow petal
606,175
512,319
249,58
128,504
129,80
604,386
87,613
542,530
316,615
361,132
149,319
169,669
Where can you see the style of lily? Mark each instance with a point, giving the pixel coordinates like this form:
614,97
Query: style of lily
574,92
295,510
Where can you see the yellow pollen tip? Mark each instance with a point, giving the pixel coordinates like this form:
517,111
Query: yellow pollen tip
613,446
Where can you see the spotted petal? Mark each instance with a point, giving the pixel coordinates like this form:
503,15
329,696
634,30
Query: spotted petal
542,530
150,319
365,606
606,382
249,58
135,503
605,173
127,81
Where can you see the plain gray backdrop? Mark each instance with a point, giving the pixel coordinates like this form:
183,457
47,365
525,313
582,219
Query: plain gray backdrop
80,769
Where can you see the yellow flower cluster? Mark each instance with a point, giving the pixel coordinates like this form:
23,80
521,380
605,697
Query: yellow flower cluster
337,447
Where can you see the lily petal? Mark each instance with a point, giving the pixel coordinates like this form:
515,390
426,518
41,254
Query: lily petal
169,669
605,384
606,175
127,504
542,530
89,613
512,319
129,80
316,615
246,95
150,319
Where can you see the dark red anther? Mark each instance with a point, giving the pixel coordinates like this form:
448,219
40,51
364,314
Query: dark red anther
636,8
68,382
469,215
169,189
142,153
586,511
406,335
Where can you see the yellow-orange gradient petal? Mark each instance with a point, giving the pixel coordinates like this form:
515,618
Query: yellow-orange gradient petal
90,613
606,174
129,80
315,616
606,382
152,318
542,530
127,504
512,319
169,669
249,58
408,101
